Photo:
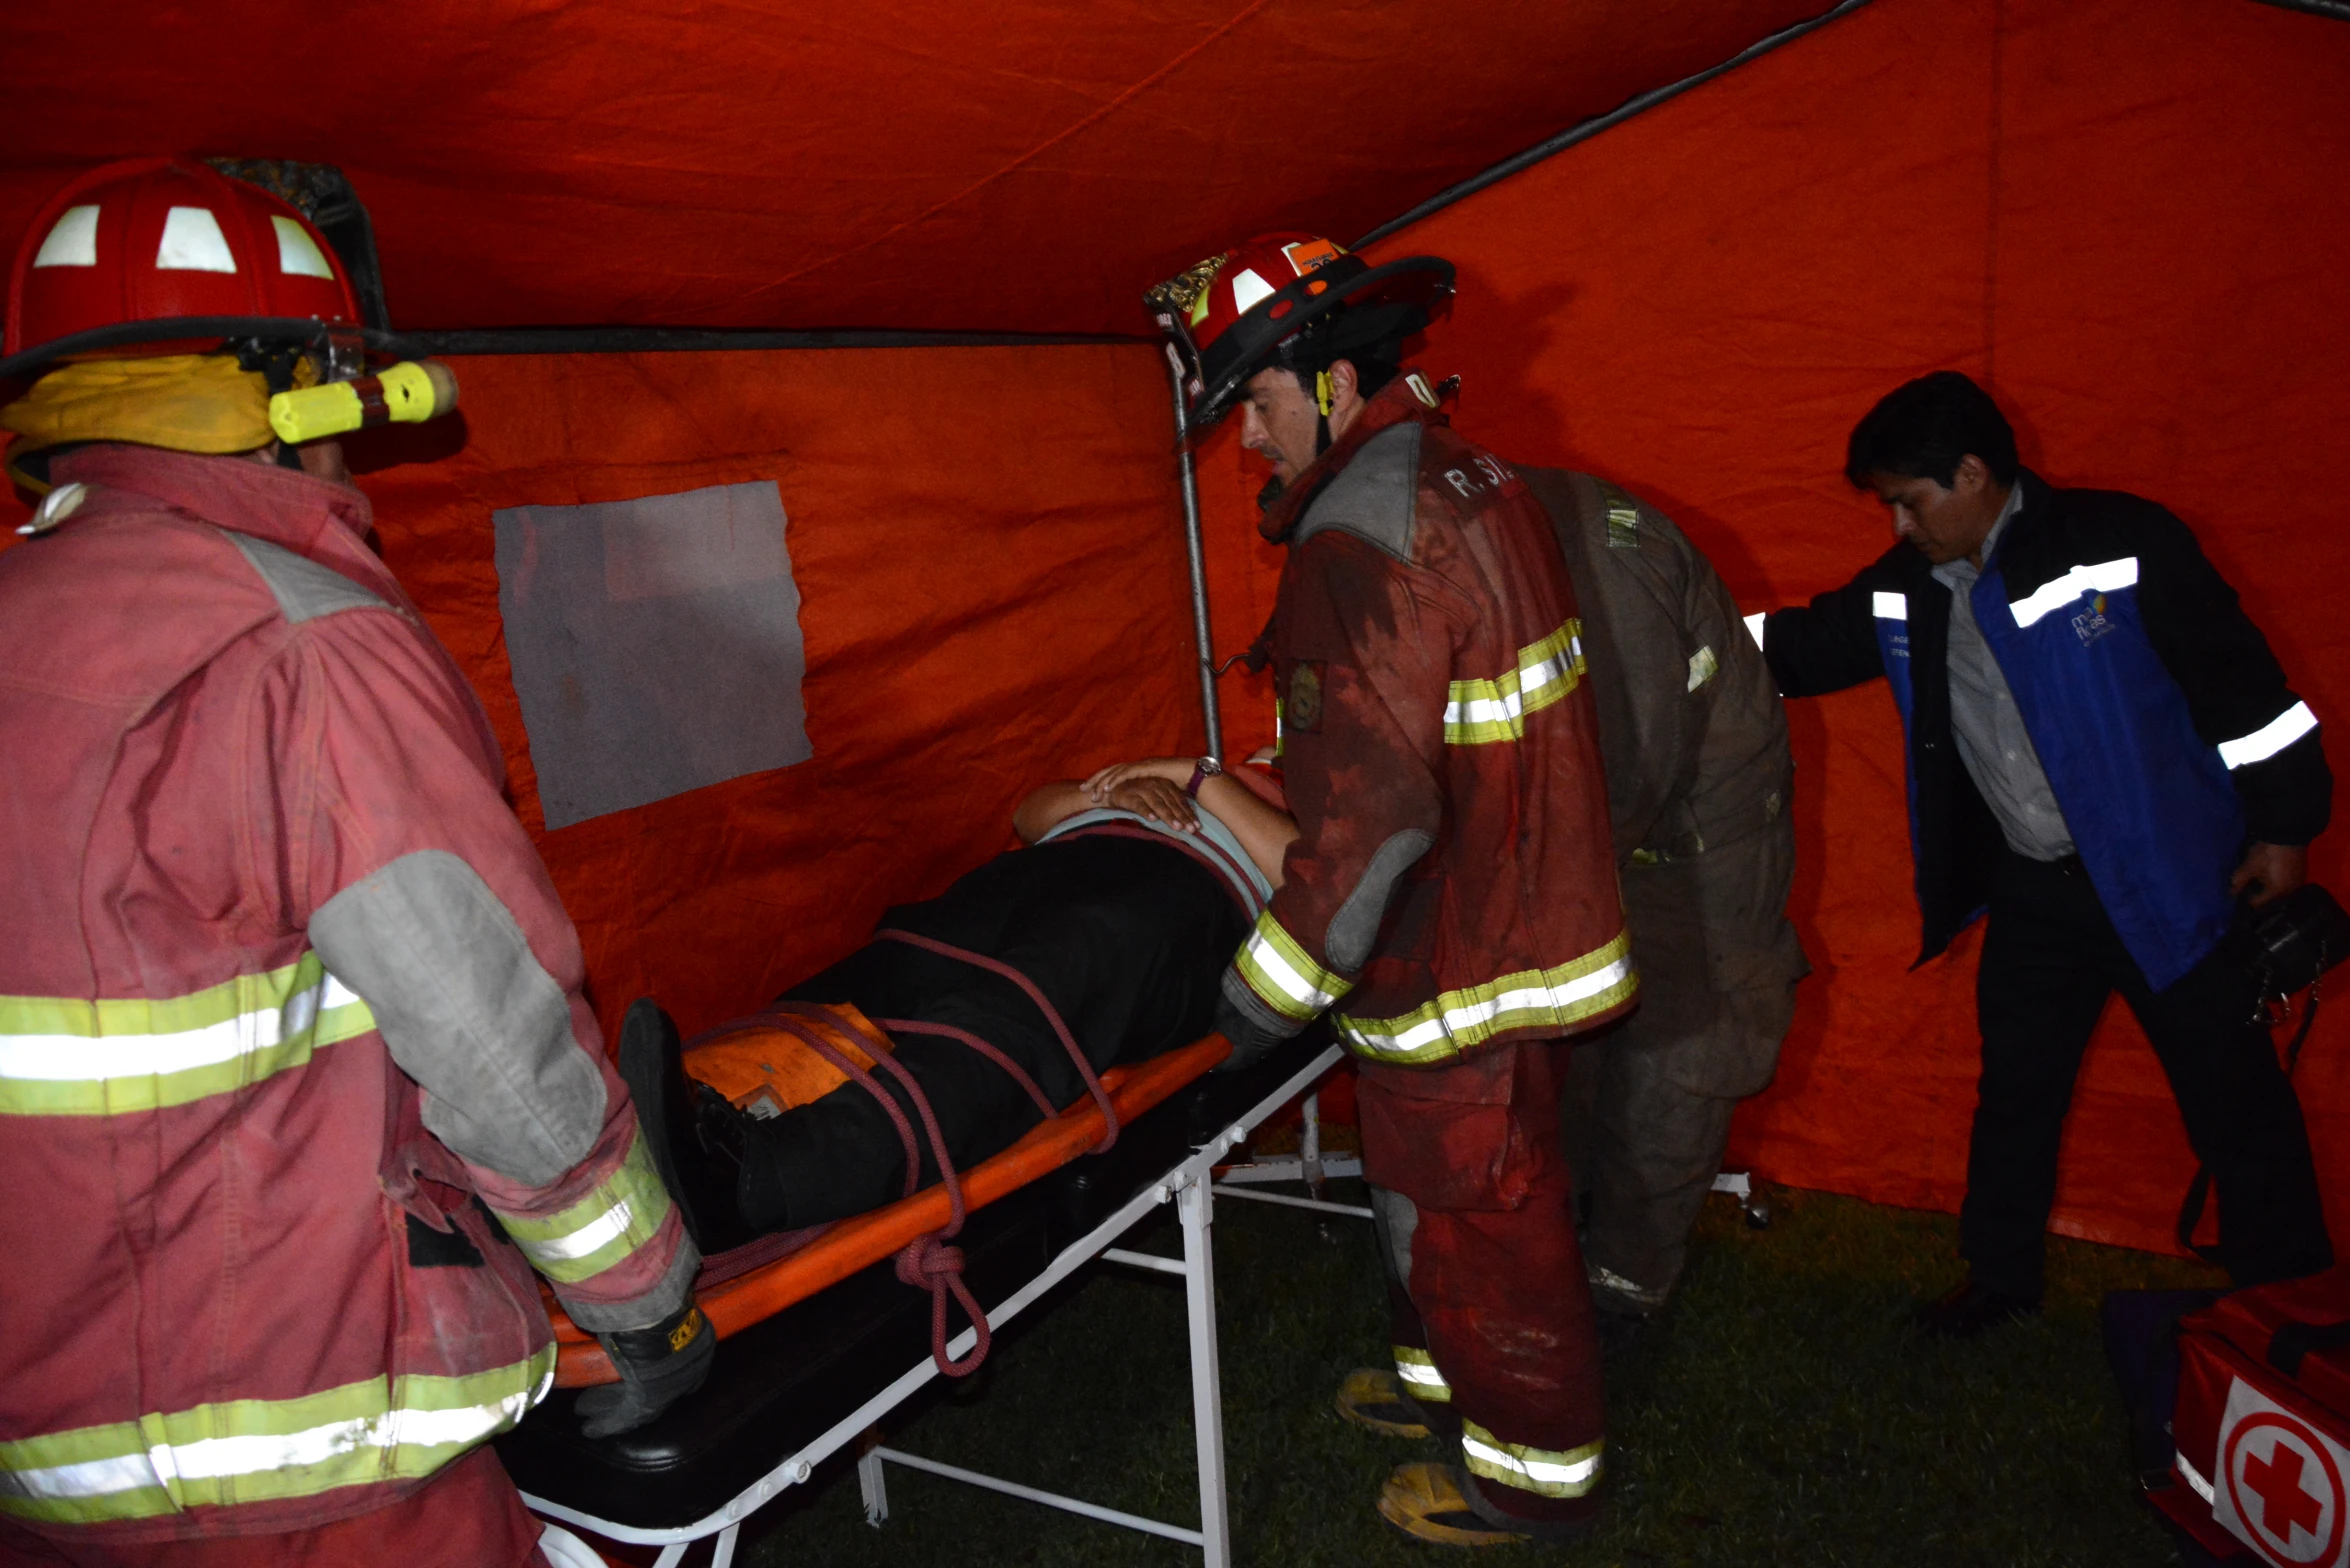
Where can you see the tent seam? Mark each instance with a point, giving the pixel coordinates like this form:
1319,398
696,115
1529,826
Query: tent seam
1584,130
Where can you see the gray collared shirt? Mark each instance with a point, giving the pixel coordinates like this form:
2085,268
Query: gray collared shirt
1990,732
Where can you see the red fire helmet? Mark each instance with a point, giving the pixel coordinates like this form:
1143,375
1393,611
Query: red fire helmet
153,251
1229,314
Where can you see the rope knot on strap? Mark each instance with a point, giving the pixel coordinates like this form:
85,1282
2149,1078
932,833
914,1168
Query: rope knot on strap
928,1263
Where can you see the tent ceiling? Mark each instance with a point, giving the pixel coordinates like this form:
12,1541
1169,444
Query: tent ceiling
1026,165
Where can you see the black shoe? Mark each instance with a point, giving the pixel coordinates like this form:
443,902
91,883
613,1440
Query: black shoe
670,1108
1972,1309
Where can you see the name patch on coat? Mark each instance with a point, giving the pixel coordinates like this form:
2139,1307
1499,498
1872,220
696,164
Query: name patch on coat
1485,473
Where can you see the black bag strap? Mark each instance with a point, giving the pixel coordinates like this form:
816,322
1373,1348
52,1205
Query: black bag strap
2292,1341
2199,1189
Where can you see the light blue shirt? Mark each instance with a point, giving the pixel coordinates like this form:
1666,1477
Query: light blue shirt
1222,847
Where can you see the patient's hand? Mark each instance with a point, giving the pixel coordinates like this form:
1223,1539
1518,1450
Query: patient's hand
1172,770
1156,799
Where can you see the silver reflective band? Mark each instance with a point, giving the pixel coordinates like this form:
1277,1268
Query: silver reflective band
1511,706
1293,985
1890,606
1548,1472
1420,1377
1469,1020
1754,626
596,1234
2194,1478
71,1058
2055,594
336,1451
2271,738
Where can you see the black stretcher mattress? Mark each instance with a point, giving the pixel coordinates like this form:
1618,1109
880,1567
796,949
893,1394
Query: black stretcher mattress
781,1384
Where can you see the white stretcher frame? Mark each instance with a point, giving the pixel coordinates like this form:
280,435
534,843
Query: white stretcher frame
1188,1185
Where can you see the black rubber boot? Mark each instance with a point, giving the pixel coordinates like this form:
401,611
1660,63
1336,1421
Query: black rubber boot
1971,1310
701,1179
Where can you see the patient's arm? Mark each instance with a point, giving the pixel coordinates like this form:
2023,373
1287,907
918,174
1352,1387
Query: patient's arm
1050,805
1154,788
1263,830
1047,807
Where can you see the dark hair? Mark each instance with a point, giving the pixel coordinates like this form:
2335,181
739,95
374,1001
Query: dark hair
1369,337
1923,428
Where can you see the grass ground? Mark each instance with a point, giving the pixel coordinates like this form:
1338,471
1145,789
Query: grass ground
1780,1413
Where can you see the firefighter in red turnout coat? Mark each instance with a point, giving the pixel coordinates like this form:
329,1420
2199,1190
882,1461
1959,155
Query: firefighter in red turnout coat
1451,901
297,1083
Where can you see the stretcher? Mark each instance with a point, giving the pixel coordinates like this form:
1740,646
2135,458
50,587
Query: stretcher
820,1346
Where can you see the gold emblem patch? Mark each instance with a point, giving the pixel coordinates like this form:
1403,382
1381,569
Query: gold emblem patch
1303,711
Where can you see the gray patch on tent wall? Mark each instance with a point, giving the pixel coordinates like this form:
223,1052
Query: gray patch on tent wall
655,644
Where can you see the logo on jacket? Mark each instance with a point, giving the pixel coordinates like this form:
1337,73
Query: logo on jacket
2091,623
1303,711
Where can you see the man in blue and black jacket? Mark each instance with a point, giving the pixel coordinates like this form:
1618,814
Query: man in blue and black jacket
2103,753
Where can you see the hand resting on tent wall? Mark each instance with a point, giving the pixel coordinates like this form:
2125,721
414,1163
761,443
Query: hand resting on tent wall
1122,916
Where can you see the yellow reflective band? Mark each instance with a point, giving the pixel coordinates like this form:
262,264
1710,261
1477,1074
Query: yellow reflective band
1283,975
1545,1472
265,1450
1550,999
1479,711
61,1056
1420,1376
618,1216
1623,518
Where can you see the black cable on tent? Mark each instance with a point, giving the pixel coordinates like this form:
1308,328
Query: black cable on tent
665,340
1586,129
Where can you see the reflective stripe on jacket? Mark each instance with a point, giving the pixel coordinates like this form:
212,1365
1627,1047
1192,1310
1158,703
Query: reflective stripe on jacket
285,992
1452,884
2163,721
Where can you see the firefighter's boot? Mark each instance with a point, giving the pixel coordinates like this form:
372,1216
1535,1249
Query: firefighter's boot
1429,1502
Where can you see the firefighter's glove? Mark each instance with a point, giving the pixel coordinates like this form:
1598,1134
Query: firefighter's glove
658,1366
1254,1036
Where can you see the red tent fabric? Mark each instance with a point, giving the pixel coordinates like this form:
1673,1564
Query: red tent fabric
2123,214
1026,165
2148,263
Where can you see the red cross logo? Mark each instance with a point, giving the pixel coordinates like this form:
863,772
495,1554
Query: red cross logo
2286,1488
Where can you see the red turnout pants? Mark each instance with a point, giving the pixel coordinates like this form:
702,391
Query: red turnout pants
1493,1317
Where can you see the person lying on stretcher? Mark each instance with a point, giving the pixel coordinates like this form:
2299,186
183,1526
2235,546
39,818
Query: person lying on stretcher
1123,910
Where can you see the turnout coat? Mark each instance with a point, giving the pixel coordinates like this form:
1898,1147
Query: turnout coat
1452,885
285,998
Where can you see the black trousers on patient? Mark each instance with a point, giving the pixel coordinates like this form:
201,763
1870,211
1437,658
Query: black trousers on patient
1129,939
2051,958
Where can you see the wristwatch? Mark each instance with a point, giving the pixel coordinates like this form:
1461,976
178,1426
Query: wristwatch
1203,770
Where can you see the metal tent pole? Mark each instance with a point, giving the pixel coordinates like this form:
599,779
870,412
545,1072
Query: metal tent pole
1200,634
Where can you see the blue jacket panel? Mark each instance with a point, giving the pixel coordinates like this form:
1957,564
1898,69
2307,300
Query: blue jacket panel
2164,722
2155,818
